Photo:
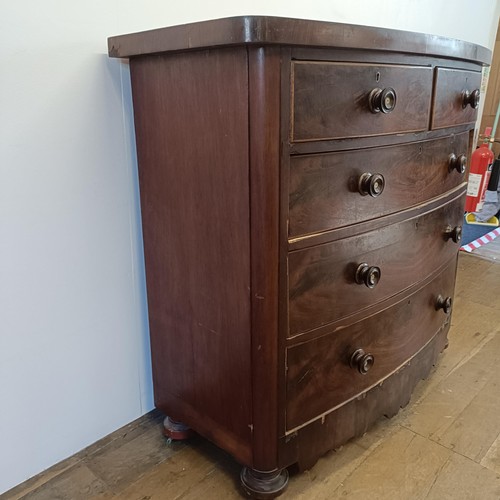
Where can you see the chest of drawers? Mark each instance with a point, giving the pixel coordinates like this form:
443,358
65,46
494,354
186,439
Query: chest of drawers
302,189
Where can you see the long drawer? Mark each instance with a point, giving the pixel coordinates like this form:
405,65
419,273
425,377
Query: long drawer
332,100
337,189
456,97
329,371
334,280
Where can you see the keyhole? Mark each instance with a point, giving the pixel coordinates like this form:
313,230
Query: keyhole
377,77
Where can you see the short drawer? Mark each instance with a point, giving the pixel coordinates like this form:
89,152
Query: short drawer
340,100
325,373
456,97
337,189
328,282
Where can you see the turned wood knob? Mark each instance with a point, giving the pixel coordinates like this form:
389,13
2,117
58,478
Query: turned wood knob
367,275
372,184
443,303
458,163
361,361
453,233
382,100
470,98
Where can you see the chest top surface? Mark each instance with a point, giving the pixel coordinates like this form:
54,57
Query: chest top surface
265,30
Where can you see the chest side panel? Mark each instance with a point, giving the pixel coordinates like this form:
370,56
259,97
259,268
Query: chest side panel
191,119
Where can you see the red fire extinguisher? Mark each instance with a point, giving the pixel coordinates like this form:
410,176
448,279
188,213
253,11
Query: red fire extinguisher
479,176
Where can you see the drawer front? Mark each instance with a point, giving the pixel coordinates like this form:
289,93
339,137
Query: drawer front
330,190
332,100
322,279
319,372
449,105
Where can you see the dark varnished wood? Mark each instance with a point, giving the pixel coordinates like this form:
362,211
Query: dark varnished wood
375,56
264,65
319,376
194,198
447,105
324,190
263,30
313,239
331,100
284,221
252,251
353,419
322,286
361,314
353,143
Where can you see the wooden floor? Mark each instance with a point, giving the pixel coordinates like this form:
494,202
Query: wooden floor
444,445
491,251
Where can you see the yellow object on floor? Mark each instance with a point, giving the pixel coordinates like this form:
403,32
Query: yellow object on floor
470,218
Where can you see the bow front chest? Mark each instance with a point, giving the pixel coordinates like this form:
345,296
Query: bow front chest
302,189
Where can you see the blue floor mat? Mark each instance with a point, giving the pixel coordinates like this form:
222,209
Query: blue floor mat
471,232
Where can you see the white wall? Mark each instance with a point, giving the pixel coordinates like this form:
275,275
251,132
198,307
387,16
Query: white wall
74,360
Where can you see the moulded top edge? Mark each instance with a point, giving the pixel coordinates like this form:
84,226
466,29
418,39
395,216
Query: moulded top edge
266,30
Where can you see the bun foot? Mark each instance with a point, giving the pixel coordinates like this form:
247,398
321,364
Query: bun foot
176,431
263,485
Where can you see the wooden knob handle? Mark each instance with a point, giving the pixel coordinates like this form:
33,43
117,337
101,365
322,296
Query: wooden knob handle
453,233
371,184
443,303
382,100
471,98
367,275
361,361
458,163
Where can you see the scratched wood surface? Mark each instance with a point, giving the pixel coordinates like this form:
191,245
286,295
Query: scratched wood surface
444,445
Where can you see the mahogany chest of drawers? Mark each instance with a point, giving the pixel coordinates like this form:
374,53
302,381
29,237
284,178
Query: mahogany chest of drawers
302,190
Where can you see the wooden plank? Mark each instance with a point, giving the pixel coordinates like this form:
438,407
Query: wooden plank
404,465
121,466
77,483
462,478
491,460
176,476
475,429
437,412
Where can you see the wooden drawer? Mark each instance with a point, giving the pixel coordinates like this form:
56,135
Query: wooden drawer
322,283
448,103
325,188
319,374
331,100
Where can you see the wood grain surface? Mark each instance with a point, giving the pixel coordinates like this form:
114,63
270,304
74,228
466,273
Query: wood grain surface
191,118
447,103
319,377
324,188
330,100
264,64
322,286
